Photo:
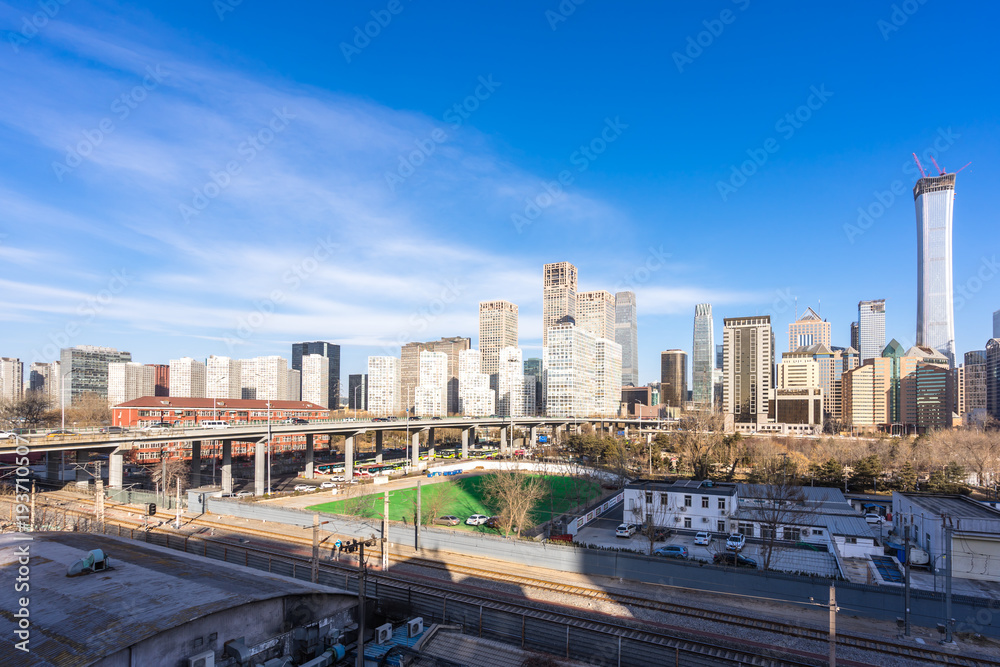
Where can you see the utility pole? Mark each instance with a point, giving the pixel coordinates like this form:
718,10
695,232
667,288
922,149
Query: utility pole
315,559
417,521
948,620
99,498
177,523
359,545
385,532
906,579
833,627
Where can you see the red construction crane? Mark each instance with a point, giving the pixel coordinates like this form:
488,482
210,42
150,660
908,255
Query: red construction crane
919,166
963,167
940,170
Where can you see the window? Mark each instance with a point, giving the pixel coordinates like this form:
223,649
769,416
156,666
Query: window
817,531
649,496
687,501
767,532
792,534
745,528
664,499
704,502
687,522
721,526
851,540
722,503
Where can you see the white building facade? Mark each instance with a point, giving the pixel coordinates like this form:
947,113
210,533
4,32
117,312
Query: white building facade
431,393
11,379
608,368
315,380
475,398
262,378
128,381
383,386
187,378
569,364
222,378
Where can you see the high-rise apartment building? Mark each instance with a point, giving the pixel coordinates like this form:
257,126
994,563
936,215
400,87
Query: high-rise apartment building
315,380
161,379
702,362
673,378
357,385
993,378
871,329
11,379
627,335
409,369
973,383
497,330
866,394
293,388
223,378
595,312
431,393
84,370
188,378
383,386
934,199
332,353
831,364
996,324
533,369
809,329
748,366
476,399
570,375
45,378
510,398
558,296
855,336
608,370
262,378
128,381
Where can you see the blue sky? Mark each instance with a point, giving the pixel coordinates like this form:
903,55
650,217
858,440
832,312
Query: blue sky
210,178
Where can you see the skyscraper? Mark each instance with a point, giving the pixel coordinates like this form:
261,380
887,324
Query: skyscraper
993,378
262,378
431,393
533,369
331,352
934,200
810,329
974,383
409,369
720,356
357,386
510,398
314,380
871,329
701,356
45,378
128,381
475,397
673,378
161,379
748,364
595,312
497,330
855,341
996,324
85,370
627,335
11,379
608,374
383,386
187,378
570,371
558,296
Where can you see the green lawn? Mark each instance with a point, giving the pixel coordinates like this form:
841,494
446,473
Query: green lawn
462,497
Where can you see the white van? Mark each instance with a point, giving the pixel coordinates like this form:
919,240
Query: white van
214,423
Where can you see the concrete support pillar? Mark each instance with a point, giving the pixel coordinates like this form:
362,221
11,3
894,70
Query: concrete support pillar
349,457
430,443
116,465
534,436
378,446
310,456
195,463
465,442
260,466
53,465
503,440
415,449
227,466
82,457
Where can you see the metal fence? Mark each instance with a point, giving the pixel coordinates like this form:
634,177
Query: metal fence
136,497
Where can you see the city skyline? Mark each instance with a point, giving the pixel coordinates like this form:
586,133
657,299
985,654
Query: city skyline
101,246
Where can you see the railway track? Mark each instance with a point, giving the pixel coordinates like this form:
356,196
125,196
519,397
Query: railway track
591,594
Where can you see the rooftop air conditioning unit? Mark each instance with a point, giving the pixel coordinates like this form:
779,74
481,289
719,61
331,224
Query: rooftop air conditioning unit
414,627
383,633
203,659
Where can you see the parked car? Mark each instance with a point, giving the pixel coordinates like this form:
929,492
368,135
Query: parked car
113,429
672,551
702,539
736,542
7,435
296,420
661,534
58,433
874,519
447,520
436,418
303,487
476,520
244,494
735,560
327,485
161,426
493,522
626,530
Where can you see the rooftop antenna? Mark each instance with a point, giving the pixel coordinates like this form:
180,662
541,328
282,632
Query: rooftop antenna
923,173
940,170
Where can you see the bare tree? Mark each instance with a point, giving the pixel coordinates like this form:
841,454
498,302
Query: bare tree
514,495
26,412
175,469
89,410
654,517
780,509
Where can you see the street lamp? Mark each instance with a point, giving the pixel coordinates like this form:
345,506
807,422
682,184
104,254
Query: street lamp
357,400
62,395
268,446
